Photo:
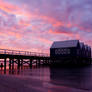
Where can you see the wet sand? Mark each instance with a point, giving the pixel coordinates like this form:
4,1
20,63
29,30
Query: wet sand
13,84
40,80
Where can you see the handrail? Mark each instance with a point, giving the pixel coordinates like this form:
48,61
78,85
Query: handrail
26,53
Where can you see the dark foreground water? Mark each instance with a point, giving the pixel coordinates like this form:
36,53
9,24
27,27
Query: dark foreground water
45,79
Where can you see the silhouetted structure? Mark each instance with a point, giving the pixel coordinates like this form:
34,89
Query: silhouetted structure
70,52
23,57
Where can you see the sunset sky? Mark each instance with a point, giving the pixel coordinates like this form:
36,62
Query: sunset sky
33,25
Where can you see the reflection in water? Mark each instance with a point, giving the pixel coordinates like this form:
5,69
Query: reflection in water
55,80
41,73
79,78
10,70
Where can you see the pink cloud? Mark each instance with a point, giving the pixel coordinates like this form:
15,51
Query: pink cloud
26,25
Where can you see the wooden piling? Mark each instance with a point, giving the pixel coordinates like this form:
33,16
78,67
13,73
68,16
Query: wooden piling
39,62
12,64
30,65
36,63
21,63
18,63
5,65
9,64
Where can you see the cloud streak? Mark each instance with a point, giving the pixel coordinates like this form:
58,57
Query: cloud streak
25,24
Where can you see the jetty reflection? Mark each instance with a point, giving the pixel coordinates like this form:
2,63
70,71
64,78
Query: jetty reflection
12,70
56,78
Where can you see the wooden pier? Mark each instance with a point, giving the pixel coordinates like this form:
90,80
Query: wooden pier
23,57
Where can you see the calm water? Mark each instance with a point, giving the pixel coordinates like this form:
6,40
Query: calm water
45,79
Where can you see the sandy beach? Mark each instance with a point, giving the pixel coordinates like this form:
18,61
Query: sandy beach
37,80
13,84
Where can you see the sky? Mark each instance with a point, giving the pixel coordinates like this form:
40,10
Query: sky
33,25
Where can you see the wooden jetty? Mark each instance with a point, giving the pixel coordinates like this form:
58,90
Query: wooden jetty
23,57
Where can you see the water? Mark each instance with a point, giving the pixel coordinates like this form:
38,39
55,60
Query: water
46,79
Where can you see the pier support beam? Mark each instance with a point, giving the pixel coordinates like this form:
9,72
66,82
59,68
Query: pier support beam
36,63
12,64
9,64
44,61
30,65
21,63
5,65
39,62
18,63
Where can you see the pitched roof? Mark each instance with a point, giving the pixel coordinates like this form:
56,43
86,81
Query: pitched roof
81,44
86,47
89,48
65,44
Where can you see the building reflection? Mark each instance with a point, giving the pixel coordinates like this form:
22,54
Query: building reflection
80,78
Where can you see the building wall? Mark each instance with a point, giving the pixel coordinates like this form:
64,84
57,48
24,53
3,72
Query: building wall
63,52
73,52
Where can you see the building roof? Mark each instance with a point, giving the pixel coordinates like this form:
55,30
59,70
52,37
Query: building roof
81,44
89,48
86,47
65,44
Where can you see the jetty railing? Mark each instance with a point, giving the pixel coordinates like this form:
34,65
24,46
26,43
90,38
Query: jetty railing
24,53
